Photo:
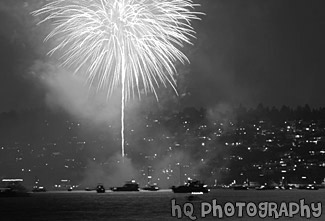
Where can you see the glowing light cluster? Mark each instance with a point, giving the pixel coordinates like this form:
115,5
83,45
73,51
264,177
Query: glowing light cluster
133,42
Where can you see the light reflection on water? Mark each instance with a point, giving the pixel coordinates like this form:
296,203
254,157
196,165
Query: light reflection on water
84,205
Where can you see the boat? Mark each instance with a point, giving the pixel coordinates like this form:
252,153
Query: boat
308,187
192,186
100,188
266,187
151,187
37,189
88,189
128,186
13,188
70,188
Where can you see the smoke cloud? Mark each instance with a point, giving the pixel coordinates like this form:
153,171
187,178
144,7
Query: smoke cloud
114,172
67,91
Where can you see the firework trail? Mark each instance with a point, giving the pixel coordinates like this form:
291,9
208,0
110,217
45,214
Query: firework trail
134,43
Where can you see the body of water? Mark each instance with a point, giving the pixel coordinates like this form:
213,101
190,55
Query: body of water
85,205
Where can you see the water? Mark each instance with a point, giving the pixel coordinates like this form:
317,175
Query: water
83,205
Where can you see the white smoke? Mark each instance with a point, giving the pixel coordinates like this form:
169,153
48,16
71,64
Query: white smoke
68,91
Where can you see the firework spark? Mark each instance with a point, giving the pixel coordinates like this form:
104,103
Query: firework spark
133,43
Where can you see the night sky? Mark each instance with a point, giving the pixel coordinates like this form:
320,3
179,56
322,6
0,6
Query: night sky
246,52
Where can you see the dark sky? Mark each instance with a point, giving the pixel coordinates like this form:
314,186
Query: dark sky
247,51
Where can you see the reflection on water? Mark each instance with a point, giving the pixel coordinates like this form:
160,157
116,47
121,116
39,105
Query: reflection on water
89,205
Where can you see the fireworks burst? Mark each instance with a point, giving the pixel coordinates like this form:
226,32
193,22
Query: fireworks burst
133,43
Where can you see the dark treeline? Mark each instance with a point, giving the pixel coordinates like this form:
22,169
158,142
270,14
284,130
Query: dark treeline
241,113
278,115
260,112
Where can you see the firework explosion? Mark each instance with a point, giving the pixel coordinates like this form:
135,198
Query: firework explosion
132,43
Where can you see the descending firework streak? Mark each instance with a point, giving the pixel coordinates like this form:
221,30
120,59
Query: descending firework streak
132,43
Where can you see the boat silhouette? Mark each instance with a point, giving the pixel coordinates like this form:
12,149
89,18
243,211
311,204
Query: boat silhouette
128,186
100,188
13,188
151,187
192,186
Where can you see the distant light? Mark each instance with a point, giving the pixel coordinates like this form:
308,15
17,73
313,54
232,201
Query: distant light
322,165
12,180
197,193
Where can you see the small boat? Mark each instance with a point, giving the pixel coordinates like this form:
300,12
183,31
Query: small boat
191,187
266,187
88,189
13,188
70,188
37,189
128,186
151,187
308,187
100,188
